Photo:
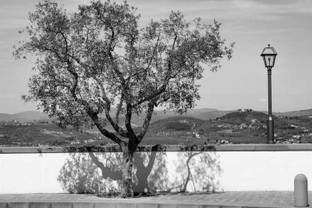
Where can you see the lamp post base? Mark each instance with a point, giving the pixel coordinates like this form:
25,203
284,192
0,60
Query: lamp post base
270,131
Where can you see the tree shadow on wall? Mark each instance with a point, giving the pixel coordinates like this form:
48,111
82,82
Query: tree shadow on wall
100,173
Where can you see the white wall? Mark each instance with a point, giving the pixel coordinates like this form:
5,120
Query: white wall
34,173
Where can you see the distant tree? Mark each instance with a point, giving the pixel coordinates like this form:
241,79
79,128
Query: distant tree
97,58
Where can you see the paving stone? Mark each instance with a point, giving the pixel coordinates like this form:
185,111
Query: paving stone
18,205
83,205
126,205
39,205
146,205
62,205
105,205
188,206
167,206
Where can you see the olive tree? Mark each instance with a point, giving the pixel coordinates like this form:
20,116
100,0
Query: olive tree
97,66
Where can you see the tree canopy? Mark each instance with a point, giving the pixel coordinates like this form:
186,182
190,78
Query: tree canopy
98,58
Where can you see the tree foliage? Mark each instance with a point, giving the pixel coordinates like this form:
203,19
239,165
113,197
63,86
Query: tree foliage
98,57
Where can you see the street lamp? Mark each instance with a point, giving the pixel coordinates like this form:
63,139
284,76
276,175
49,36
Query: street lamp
269,54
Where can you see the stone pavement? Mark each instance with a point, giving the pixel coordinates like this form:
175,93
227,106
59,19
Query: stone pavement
199,200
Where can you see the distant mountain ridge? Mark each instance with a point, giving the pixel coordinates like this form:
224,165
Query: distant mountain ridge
202,113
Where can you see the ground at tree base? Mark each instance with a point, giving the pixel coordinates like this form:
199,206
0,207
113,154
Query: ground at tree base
227,199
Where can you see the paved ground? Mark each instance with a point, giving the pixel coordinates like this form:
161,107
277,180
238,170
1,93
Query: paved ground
247,199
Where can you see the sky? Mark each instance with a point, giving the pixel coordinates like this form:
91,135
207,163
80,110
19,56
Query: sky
240,83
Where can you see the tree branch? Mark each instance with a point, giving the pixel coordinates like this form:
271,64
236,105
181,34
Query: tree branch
107,104
162,88
93,115
128,122
107,107
156,93
154,52
104,131
147,119
119,108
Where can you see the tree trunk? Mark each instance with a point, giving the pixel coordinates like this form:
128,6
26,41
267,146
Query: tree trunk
127,172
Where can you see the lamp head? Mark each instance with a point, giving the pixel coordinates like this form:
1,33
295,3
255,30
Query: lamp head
269,54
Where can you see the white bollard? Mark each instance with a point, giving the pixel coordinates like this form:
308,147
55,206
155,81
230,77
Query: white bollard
301,191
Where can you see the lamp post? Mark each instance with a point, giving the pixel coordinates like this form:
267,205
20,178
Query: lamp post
269,54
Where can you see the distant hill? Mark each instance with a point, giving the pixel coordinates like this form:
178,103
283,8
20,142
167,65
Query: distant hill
307,112
251,127
240,127
25,116
5,117
238,117
202,113
175,123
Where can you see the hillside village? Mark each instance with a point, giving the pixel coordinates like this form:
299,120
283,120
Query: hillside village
241,126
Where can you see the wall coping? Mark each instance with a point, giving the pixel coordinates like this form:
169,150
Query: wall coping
165,148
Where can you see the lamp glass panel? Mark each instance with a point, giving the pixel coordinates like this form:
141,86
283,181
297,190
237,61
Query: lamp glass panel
269,60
